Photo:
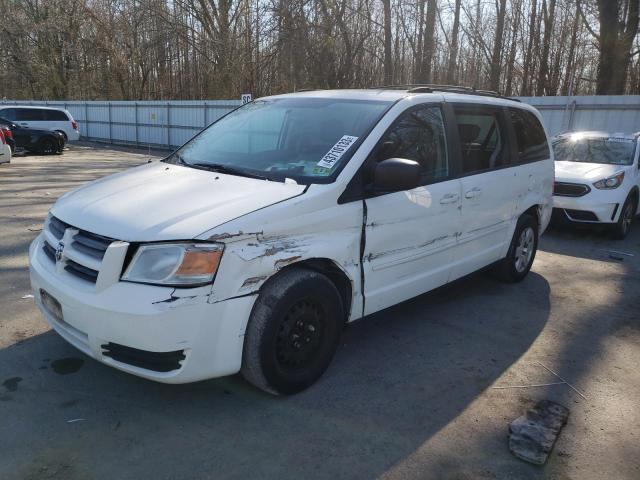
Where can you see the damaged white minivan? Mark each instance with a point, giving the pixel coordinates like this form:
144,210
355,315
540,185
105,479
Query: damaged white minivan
250,247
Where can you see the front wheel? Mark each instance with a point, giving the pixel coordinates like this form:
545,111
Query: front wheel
293,332
522,251
623,226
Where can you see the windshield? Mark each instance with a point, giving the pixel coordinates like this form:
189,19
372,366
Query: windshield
610,150
303,139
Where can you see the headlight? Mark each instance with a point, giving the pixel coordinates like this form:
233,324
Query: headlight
609,183
175,263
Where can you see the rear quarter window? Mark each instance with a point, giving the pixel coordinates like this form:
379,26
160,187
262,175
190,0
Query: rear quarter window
55,116
531,140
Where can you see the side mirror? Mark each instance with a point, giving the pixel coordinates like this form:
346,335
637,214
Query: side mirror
396,174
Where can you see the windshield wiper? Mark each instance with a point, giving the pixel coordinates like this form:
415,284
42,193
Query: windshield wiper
219,168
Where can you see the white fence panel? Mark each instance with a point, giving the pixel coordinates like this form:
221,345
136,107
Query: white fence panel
610,113
168,124
153,123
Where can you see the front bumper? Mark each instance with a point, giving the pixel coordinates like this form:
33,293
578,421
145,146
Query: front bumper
146,318
603,210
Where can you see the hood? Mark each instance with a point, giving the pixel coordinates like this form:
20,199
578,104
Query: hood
159,201
584,172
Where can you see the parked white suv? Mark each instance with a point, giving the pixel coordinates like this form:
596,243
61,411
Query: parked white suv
250,247
42,118
597,179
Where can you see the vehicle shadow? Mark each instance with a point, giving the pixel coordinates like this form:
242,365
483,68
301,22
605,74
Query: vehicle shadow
400,376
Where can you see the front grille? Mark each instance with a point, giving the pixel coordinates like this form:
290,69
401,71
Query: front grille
91,244
57,227
81,271
581,215
565,189
49,251
156,361
83,254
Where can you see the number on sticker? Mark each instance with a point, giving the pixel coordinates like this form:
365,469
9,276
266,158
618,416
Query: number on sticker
337,151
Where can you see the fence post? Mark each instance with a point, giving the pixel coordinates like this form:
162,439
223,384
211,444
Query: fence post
86,116
571,113
110,126
168,124
136,121
206,111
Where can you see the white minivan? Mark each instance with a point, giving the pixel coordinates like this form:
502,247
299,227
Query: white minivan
250,247
42,118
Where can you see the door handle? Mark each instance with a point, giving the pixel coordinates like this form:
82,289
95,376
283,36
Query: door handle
473,193
449,198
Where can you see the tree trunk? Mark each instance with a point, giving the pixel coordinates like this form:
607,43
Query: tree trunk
616,40
429,42
494,75
388,67
543,74
453,54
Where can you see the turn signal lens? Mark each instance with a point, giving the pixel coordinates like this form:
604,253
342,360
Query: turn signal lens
199,262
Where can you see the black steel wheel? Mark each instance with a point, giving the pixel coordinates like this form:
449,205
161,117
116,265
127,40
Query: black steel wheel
293,332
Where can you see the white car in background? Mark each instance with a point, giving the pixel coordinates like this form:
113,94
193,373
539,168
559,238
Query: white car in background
5,149
597,179
42,118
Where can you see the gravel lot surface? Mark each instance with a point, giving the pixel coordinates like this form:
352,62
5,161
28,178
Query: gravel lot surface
410,394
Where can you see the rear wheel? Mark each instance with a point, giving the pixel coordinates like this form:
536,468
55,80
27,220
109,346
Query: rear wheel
48,146
627,214
293,332
522,251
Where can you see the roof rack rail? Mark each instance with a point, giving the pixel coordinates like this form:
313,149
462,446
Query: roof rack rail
433,87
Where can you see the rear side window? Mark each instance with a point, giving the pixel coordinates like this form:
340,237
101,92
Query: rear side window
30,114
418,134
55,115
530,138
482,143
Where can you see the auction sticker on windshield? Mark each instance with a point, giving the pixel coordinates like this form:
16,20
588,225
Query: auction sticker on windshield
337,151
620,140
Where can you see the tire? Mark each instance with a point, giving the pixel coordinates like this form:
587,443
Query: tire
48,146
522,251
293,332
64,135
627,214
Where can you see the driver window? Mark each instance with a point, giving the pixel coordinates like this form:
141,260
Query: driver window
418,134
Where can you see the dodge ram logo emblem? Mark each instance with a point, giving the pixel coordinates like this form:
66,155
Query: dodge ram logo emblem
59,251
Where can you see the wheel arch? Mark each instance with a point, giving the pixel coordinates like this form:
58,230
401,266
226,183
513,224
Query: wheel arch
534,211
331,270
64,134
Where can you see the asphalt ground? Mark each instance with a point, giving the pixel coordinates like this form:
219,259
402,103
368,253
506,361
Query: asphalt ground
410,395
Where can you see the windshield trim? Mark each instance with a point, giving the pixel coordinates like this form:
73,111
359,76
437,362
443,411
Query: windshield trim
302,180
